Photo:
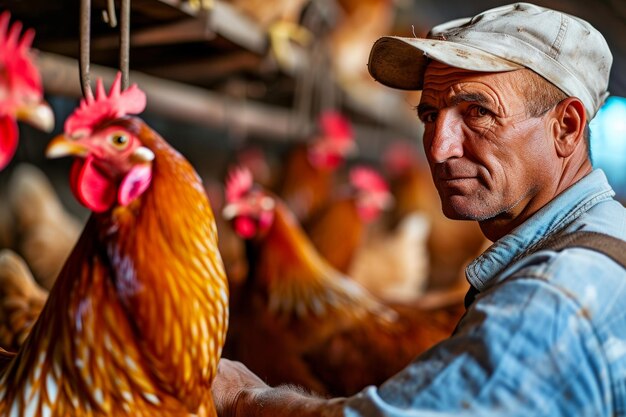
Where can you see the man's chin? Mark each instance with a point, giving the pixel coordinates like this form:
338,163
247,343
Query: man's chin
465,212
454,215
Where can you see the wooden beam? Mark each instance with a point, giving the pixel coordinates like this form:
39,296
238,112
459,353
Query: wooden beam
205,108
172,99
182,31
205,70
228,22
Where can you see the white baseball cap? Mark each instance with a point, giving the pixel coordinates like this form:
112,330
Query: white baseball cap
563,49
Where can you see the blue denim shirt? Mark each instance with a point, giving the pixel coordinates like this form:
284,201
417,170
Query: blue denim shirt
546,336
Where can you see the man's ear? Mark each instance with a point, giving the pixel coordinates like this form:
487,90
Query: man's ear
568,126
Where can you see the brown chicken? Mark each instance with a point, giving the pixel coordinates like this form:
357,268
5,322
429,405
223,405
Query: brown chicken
308,174
231,246
45,231
358,26
280,20
136,320
301,321
21,300
393,264
359,204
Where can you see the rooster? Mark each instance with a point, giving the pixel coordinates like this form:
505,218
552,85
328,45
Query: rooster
366,198
301,321
309,168
136,320
21,93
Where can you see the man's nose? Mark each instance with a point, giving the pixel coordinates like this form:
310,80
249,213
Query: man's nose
446,137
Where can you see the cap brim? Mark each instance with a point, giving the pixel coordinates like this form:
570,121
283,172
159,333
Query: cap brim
400,62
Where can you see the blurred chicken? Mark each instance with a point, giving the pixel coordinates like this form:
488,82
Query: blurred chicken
359,24
394,264
21,93
391,264
21,300
136,321
308,173
280,20
327,332
450,242
263,167
45,231
231,246
359,204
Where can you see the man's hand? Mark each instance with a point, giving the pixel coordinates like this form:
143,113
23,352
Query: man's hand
233,381
238,392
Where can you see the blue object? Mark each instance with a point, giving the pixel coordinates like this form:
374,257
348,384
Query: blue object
608,143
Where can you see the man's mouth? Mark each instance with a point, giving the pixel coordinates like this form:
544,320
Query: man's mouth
455,179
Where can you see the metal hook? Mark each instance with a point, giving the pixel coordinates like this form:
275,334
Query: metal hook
85,28
109,14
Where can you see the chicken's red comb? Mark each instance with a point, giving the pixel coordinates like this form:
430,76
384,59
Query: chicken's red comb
400,157
93,111
238,184
335,126
16,61
365,178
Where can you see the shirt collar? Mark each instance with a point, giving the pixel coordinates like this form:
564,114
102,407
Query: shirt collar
554,216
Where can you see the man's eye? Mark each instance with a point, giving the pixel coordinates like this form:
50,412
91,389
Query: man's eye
429,117
478,111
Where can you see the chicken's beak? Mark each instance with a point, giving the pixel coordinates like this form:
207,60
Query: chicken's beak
142,155
64,146
230,211
351,150
38,115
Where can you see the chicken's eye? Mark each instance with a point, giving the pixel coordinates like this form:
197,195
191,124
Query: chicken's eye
119,139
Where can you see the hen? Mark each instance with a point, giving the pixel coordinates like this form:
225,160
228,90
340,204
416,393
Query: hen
45,231
21,300
136,320
301,321
307,177
21,93
393,264
347,216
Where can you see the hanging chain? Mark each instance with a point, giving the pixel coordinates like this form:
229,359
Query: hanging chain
85,37
124,42
315,87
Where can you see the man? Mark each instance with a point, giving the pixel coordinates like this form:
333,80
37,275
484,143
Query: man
506,97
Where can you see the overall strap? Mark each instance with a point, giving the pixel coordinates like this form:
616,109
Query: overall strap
611,246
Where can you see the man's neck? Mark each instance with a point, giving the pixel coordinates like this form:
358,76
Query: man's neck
503,224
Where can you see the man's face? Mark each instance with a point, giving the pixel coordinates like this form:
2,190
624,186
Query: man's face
489,160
